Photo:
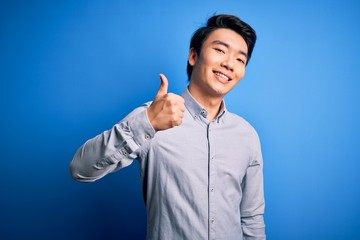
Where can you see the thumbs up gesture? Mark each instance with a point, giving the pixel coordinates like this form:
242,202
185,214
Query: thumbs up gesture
167,109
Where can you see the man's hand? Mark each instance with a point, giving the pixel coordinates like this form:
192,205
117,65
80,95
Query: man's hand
167,109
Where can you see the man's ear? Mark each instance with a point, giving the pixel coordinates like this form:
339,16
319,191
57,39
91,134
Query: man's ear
192,58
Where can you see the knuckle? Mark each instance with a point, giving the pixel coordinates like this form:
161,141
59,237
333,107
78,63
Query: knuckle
175,120
170,96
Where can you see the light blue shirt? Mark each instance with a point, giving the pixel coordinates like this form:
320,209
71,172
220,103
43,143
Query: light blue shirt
201,180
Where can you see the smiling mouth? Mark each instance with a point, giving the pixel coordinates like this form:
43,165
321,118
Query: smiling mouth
222,76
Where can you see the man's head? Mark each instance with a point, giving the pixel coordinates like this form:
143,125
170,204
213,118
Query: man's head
222,21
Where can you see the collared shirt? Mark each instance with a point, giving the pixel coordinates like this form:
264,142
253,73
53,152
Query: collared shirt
201,180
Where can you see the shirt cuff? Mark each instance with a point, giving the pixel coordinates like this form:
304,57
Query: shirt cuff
141,128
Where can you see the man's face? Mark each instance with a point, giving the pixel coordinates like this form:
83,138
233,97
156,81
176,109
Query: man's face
220,64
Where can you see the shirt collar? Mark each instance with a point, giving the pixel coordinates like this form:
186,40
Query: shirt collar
196,110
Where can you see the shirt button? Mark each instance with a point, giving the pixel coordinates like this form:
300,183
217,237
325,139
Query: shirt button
204,113
212,189
212,220
124,152
147,136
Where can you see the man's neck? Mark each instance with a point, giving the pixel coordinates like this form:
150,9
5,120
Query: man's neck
212,104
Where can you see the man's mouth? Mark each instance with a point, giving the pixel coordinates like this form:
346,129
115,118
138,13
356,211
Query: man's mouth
223,76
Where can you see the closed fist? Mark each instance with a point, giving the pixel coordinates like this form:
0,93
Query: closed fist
167,109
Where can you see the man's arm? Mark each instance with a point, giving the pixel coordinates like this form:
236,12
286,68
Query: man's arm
252,206
112,149
117,147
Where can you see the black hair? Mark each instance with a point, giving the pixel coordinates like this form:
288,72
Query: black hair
222,21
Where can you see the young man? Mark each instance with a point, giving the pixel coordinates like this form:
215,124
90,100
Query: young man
200,165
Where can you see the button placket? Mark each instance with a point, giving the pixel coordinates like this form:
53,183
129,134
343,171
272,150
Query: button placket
212,183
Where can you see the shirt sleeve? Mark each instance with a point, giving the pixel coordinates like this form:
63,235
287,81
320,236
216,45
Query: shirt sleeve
113,149
253,205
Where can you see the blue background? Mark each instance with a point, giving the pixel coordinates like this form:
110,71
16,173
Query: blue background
71,69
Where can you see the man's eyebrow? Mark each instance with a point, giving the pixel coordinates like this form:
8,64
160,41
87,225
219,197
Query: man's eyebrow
228,46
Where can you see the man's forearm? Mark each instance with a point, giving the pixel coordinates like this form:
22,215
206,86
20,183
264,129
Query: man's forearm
112,149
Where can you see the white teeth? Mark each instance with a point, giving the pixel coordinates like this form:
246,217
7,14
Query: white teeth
222,76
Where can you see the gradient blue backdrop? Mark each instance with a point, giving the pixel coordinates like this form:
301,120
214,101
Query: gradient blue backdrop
71,69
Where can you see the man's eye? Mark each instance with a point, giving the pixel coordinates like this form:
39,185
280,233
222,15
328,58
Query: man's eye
219,50
240,60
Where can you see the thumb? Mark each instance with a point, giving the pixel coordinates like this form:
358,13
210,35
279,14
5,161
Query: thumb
163,89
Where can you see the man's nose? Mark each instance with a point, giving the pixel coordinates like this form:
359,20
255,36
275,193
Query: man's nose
228,63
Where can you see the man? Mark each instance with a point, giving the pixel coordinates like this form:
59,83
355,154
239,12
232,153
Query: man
200,165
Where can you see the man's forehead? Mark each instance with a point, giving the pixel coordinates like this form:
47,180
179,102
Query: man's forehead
228,38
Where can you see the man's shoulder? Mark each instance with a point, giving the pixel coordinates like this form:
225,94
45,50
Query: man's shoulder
235,118
240,122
